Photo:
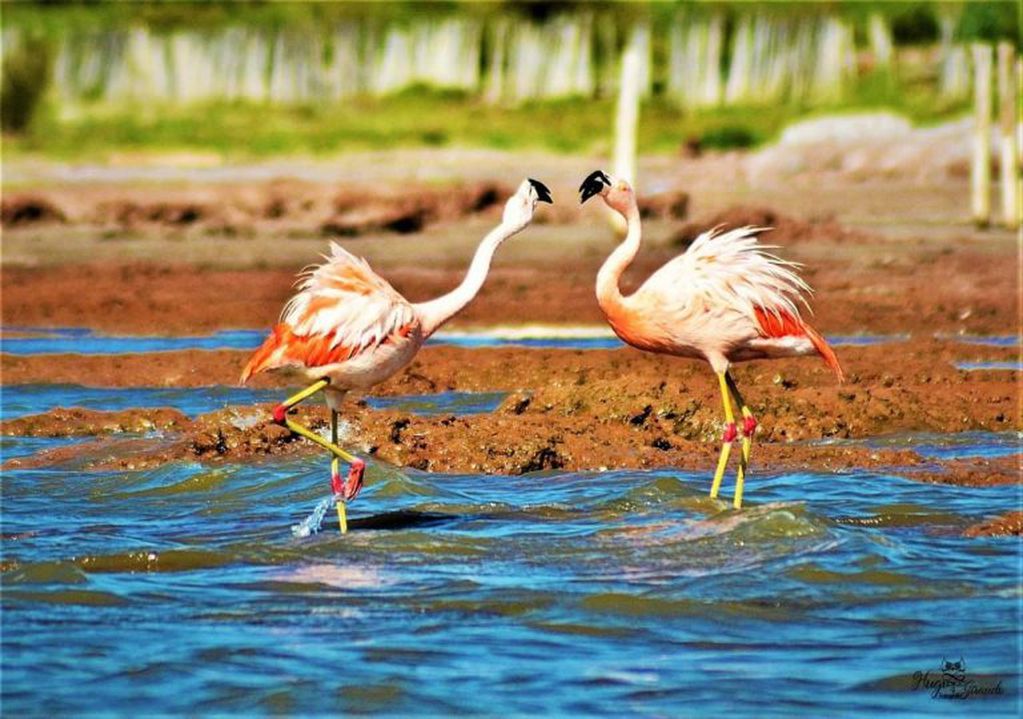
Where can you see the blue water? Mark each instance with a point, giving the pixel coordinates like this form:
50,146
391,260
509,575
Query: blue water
20,400
1016,366
181,590
961,445
989,340
41,341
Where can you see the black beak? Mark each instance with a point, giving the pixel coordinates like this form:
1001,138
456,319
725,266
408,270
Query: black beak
592,185
542,193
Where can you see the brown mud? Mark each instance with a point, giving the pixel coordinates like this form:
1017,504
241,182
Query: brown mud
795,399
869,285
509,441
288,206
1009,524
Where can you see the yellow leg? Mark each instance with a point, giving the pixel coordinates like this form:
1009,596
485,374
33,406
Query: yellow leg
740,475
726,447
305,394
342,517
335,476
719,473
281,417
335,464
749,424
313,437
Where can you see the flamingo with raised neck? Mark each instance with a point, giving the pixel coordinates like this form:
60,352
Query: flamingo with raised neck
724,300
346,328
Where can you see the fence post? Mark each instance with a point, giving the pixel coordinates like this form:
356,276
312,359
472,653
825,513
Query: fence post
980,169
627,116
1008,160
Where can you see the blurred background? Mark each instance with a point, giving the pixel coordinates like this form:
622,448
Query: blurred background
254,79
535,528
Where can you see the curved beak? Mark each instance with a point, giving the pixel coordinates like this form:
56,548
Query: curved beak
593,185
542,193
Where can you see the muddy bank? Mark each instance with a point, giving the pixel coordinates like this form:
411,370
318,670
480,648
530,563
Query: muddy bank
79,422
283,206
1009,524
957,280
896,387
518,438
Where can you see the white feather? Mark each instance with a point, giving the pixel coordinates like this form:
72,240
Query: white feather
729,269
362,308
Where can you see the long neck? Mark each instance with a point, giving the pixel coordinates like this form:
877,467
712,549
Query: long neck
436,312
609,297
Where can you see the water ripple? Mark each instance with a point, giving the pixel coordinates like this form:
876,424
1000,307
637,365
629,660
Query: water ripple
561,593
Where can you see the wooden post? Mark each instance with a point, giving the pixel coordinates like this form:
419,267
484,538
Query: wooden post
880,41
1019,120
1008,160
980,169
627,115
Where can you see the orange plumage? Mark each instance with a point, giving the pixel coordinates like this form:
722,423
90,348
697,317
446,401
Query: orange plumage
783,324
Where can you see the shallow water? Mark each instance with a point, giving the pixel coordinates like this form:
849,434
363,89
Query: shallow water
1016,366
42,341
20,400
990,340
182,590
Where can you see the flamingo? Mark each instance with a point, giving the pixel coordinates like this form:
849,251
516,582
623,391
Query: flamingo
346,328
723,300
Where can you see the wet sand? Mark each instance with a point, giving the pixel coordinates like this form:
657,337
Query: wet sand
1009,524
592,409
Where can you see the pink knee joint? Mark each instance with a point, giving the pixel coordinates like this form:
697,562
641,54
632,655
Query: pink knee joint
749,426
730,432
279,413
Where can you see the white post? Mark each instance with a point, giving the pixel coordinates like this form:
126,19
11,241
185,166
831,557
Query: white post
1008,161
495,80
980,169
880,41
627,115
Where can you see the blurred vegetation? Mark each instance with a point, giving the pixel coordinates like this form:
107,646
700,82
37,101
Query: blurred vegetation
26,73
430,118
913,21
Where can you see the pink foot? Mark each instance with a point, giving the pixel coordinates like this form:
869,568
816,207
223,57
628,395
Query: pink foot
730,433
280,411
749,426
354,482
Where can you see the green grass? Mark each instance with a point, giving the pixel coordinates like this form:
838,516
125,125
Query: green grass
422,118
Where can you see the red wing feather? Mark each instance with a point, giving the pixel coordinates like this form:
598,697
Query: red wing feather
783,324
283,348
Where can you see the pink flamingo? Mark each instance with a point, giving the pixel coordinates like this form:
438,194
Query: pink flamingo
347,328
723,300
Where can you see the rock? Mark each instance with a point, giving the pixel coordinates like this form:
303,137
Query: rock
1005,525
27,210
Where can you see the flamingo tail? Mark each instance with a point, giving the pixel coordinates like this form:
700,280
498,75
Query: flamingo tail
783,324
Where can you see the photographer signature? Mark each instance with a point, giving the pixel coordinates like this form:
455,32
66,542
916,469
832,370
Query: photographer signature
952,682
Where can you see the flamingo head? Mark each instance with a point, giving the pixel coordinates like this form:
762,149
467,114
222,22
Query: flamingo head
518,211
617,194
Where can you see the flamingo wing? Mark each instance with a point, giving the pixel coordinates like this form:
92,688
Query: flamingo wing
342,309
732,270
